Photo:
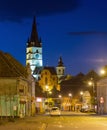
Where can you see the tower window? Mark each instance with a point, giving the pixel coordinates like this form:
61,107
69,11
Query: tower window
59,71
29,56
37,51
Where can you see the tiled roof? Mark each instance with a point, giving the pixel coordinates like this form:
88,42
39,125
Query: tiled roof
10,67
37,70
51,69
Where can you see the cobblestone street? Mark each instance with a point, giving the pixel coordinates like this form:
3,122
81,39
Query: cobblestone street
68,120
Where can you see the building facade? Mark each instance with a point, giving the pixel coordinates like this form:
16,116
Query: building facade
102,95
16,88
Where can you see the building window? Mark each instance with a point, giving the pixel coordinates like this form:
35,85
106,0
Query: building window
21,90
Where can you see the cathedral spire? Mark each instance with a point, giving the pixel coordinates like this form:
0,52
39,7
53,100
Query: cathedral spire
34,35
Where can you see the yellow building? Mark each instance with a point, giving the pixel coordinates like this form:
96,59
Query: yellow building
48,79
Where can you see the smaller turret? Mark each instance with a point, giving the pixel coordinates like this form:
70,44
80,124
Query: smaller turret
60,69
60,63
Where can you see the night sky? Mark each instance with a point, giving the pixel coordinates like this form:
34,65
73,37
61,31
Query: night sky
73,29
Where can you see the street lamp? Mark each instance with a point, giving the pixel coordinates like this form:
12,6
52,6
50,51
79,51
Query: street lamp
102,72
91,83
81,98
48,96
60,100
93,101
59,96
47,102
70,95
46,87
81,93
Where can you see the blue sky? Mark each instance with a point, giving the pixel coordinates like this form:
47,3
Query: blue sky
73,29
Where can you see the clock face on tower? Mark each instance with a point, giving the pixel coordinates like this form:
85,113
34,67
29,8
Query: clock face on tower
37,56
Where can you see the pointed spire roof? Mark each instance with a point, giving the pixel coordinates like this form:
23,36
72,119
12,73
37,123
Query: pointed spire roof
60,62
34,40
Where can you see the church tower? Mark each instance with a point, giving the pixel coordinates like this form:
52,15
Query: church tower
34,51
60,69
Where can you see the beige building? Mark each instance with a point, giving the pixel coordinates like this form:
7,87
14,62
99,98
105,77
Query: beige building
17,88
102,95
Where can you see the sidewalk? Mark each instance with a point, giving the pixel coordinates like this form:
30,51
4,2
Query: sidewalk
76,113
27,123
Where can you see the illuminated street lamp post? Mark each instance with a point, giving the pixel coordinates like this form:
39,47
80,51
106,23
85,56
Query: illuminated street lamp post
70,95
81,93
91,83
102,72
60,97
47,91
47,102
81,101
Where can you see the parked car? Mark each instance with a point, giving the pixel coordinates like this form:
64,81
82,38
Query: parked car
55,111
87,110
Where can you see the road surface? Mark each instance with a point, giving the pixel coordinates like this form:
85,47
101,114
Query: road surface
67,121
